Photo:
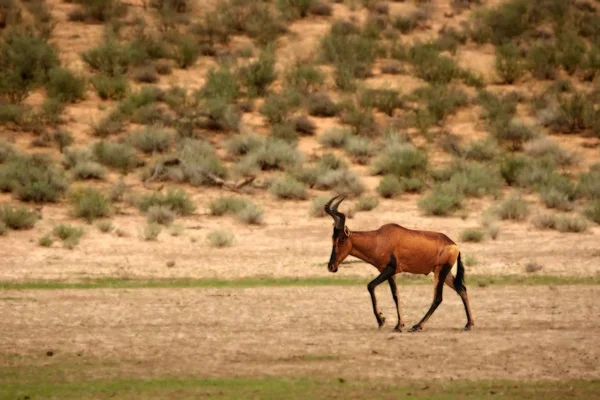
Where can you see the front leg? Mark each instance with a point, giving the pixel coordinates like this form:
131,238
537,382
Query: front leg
386,274
394,289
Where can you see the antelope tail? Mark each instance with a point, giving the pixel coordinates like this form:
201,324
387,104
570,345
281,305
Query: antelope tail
459,280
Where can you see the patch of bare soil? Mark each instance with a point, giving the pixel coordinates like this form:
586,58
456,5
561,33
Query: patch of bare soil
521,333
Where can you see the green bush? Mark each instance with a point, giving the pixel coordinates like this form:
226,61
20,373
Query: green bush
389,186
472,235
498,108
116,155
98,10
277,107
442,101
544,221
88,170
251,214
241,145
513,208
151,140
589,183
288,188
220,83
220,238
176,200
575,114
70,235
509,63
46,241
576,224
571,50
89,204
225,205
502,23
185,51
146,74
64,85
110,58
151,232
550,152
304,77
361,120
321,105
385,100
367,203
542,61
26,61
359,148
403,160
481,150
335,137
430,65
274,154
592,211
258,76
475,180
340,181
18,218
32,179
110,87
162,215
105,226
350,53
317,207
443,200
513,133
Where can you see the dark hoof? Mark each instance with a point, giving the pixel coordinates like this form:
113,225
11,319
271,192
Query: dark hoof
467,328
397,329
381,323
416,328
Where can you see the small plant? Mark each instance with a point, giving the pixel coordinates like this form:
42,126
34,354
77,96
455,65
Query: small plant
176,200
288,188
70,235
64,85
359,148
471,260
18,218
544,221
472,235
110,87
46,241
443,200
220,238
88,170
321,105
162,215
245,210
151,140
89,204
258,76
251,214
151,232
304,77
32,178
533,266
146,74
513,208
592,211
402,160
576,224
335,138
241,145
105,226
116,155
317,207
366,203
509,63
389,186
513,133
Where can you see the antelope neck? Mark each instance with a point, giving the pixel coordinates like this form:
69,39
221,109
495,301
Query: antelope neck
362,246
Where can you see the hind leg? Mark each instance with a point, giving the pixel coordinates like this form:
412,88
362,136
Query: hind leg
438,284
465,299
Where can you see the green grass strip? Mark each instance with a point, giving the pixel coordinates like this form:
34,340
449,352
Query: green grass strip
250,282
299,388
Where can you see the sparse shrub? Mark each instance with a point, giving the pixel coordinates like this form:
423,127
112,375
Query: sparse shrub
509,63
472,235
493,231
481,150
575,114
340,180
443,200
26,61
304,77
116,155
442,101
64,85
32,178
513,133
335,137
513,208
241,145
151,139
385,100
430,65
46,241
412,185
498,108
288,188
304,125
544,221
359,148
402,160
533,266
251,214
475,180
70,235
89,204
18,218
146,74
277,107
109,125
571,50
220,83
317,207
62,139
110,87
351,54
321,105
225,205
151,232
110,58
294,9
176,200
389,186
554,198
163,68
160,214
105,226
501,23
97,10
274,154
592,211
576,224
220,238
366,203
285,131
549,151
362,120
542,61
258,76
88,170
185,52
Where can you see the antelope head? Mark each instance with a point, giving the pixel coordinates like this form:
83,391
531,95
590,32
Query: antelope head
341,244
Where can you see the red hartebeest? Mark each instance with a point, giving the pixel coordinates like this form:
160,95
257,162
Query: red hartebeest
393,249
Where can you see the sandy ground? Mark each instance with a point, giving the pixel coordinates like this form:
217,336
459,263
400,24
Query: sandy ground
289,243
520,333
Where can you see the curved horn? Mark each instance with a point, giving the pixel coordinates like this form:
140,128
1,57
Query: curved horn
340,221
327,207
